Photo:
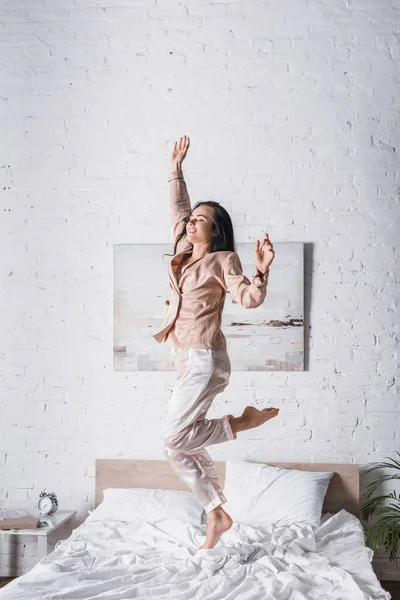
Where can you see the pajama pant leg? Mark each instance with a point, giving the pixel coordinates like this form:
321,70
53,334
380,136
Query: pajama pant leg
202,374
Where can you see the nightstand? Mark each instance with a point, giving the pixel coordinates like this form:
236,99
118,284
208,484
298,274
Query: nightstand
46,538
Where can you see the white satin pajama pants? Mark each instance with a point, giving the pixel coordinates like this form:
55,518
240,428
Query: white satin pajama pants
202,374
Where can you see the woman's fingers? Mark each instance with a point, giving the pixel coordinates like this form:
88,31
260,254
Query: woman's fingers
267,241
180,148
183,145
184,142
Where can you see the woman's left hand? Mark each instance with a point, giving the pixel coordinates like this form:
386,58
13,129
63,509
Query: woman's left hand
264,254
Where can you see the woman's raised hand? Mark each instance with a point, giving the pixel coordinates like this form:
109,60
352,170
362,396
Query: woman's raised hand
264,254
180,150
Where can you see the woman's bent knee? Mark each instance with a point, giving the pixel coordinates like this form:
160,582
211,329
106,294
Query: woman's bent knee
174,442
169,442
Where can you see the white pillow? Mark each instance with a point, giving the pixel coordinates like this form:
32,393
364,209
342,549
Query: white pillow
263,493
142,504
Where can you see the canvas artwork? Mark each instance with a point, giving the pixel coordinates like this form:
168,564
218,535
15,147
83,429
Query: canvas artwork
267,338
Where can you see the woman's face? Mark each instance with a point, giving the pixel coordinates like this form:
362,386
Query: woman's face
199,228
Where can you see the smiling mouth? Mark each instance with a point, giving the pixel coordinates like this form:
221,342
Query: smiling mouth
191,231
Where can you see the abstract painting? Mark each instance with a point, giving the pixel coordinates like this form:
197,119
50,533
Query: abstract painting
267,338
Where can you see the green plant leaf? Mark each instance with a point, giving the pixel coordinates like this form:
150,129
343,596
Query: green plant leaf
386,530
392,543
390,508
371,487
369,507
394,464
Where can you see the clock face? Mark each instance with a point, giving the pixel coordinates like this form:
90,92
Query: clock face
45,504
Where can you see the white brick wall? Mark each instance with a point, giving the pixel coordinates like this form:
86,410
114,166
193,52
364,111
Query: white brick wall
292,110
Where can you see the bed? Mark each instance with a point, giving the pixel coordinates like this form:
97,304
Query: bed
116,560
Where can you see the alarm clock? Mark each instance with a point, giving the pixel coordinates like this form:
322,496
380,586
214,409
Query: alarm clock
47,503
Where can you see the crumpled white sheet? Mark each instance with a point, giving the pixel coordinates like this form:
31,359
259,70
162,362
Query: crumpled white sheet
117,561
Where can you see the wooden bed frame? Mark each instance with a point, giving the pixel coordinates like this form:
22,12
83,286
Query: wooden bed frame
343,490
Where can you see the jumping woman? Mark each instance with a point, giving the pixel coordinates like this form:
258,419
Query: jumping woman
203,269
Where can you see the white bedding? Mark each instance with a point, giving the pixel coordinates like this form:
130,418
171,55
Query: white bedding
117,561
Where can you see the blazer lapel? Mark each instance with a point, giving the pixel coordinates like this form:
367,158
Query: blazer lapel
173,280
175,261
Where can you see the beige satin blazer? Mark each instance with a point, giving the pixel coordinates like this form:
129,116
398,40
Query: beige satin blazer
193,313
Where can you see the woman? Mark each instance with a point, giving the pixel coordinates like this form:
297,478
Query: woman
203,269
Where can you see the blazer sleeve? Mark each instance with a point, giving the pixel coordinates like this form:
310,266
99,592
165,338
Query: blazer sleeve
249,294
180,201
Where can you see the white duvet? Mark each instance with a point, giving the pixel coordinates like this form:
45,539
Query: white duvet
117,561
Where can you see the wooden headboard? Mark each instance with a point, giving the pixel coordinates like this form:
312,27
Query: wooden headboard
343,490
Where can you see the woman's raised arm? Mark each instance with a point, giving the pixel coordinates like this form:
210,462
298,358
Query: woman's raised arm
179,196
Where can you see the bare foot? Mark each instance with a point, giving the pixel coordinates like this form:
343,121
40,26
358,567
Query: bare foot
254,417
218,522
